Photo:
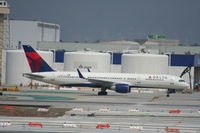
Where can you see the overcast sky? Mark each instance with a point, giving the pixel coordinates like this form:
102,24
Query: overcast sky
107,20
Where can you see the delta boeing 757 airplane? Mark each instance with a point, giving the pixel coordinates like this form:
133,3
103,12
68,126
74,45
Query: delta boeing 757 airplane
119,82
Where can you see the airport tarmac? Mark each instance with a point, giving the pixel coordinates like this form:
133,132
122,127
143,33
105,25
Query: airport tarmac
131,112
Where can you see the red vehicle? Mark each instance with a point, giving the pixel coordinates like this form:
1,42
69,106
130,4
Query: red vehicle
175,111
172,130
35,124
9,107
103,126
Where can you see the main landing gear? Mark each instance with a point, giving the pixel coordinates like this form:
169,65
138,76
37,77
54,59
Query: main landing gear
168,94
170,91
102,92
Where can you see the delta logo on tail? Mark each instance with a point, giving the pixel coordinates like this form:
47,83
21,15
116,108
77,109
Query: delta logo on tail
35,61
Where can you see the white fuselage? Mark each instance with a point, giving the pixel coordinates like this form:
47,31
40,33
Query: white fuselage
133,80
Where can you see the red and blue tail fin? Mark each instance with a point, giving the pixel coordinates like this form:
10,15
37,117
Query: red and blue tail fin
36,62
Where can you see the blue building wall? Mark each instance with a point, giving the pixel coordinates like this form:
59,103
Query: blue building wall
116,58
182,60
59,56
175,59
197,60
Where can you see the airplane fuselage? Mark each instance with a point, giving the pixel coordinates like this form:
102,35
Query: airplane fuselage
132,80
119,82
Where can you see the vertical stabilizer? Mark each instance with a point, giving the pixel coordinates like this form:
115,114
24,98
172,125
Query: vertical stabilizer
35,61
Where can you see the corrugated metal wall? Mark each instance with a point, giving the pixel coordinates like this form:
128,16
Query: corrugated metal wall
197,61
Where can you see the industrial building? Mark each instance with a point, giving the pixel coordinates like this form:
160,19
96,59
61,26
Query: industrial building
31,32
112,57
95,61
4,33
178,57
16,65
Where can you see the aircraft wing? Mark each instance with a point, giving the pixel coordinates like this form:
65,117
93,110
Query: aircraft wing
101,82
105,83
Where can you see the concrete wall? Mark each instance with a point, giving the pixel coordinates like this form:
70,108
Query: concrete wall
30,32
117,48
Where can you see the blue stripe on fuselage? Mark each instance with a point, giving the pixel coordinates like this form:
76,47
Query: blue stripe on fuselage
147,87
82,85
99,86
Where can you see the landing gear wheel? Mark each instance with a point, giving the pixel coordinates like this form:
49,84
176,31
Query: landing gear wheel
169,91
168,95
101,93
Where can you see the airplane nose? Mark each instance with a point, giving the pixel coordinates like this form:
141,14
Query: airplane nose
187,85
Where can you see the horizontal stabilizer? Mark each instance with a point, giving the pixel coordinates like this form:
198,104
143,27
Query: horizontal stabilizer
32,76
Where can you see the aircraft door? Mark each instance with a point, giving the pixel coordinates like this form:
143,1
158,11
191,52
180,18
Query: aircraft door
52,78
172,82
138,81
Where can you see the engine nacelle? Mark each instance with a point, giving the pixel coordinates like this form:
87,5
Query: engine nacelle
121,88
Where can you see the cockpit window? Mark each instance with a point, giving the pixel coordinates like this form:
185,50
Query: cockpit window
181,80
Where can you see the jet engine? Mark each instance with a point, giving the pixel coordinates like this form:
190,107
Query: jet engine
121,88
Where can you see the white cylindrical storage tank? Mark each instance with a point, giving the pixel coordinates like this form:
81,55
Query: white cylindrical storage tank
145,63
17,64
95,61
